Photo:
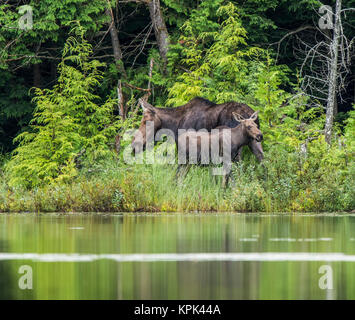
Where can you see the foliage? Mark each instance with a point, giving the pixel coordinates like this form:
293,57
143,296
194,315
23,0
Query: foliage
285,118
215,55
350,131
19,52
221,50
286,182
67,121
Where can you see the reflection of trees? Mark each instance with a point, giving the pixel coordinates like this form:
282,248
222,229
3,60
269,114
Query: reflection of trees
9,276
106,279
6,280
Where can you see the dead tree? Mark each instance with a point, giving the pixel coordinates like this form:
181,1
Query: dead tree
121,105
116,48
333,73
326,55
160,30
326,63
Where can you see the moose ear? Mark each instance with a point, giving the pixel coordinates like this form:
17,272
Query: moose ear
238,117
254,116
146,106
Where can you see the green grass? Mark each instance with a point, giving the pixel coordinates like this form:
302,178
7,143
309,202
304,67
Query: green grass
285,182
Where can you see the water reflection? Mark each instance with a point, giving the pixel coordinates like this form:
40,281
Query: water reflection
242,256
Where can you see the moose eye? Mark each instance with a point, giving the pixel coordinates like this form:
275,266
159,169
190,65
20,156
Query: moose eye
249,127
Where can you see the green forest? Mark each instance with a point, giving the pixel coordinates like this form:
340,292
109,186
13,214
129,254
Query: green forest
72,73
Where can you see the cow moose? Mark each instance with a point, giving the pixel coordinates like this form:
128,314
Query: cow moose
198,113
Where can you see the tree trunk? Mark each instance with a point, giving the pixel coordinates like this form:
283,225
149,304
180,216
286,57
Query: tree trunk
335,110
120,101
37,75
332,90
53,71
122,112
160,30
328,39
117,52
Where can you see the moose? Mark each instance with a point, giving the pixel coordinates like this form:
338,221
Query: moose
198,113
240,136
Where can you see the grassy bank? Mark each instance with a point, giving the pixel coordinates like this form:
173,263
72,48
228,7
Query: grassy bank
285,182
64,160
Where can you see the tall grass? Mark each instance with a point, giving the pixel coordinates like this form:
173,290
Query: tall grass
284,182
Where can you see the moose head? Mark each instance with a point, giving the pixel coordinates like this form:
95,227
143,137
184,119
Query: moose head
149,125
250,126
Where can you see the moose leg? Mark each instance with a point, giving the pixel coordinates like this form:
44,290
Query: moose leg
238,156
225,180
212,173
178,169
257,149
227,168
182,170
187,169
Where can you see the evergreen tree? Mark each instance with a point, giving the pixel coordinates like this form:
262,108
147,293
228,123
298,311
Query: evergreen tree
67,121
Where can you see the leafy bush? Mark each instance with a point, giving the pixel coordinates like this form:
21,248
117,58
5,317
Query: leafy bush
215,55
67,122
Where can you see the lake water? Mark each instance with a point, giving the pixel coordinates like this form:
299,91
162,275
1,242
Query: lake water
177,256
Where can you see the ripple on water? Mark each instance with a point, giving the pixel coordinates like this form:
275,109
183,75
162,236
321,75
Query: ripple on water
300,239
196,257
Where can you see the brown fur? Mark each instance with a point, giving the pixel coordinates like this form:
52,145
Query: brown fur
197,114
241,135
